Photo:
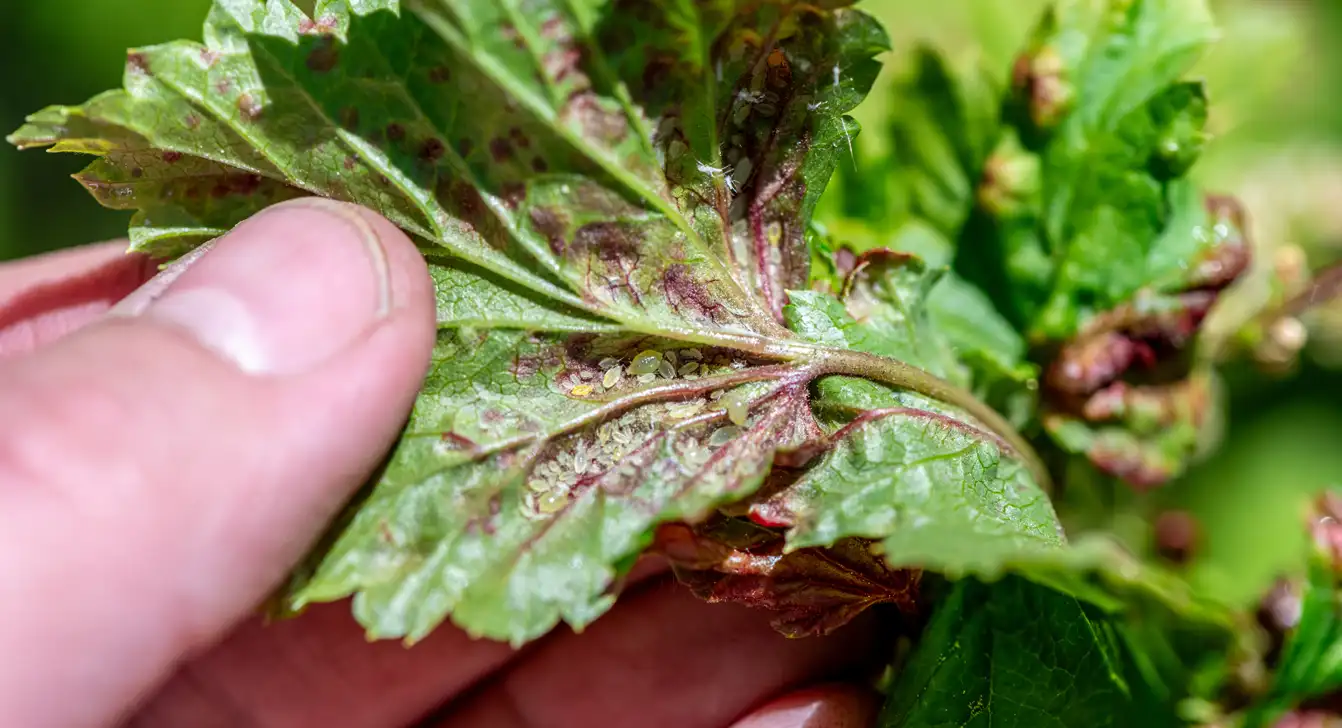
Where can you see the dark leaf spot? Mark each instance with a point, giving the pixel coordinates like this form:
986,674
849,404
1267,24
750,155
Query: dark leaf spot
548,222
453,441
465,147
513,194
139,63
172,157
585,108
325,56
540,165
350,162
137,173
223,87
610,240
246,184
395,132
500,150
683,291
470,205
432,150
519,138
440,74
192,121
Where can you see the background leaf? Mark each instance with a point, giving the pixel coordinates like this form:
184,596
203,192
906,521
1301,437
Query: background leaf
1015,654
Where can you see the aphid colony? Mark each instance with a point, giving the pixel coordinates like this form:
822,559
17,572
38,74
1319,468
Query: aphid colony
646,367
620,448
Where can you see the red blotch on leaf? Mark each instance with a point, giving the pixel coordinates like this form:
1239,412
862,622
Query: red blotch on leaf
812,591
325,56
139,63
551,224
432,150
500,149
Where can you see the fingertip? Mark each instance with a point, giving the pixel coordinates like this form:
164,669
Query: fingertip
827,706
292,287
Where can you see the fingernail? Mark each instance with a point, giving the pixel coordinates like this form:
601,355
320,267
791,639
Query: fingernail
281,293
830,707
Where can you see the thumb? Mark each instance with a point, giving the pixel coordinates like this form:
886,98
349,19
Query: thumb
162,469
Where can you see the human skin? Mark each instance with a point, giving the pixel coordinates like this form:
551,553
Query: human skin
171,444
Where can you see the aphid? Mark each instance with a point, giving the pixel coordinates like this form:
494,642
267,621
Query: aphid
742,172
738,409
552,502
539,485
672,357
647,378
667,370
646,362
688,368
676,150
717,395
740,114
582,390
723,435
692,354
623,437
587,374
609,362
613,377
697,456
686,410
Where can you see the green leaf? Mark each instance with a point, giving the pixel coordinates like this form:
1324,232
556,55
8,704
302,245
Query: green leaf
1015,654
1310,613
518,489
612,229
942,130
1102,116
933,491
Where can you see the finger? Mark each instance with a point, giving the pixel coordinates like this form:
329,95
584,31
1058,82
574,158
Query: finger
20,275
662,658
161,470
321,670
47,297
830,706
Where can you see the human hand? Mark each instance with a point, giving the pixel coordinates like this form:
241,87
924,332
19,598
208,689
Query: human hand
164,464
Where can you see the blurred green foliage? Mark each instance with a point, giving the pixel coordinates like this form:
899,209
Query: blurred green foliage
1270,80
64,51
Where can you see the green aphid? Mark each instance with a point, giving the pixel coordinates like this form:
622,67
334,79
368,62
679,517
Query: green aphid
646,362
738,408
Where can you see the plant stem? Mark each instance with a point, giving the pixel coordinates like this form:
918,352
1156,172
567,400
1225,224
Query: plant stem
898,374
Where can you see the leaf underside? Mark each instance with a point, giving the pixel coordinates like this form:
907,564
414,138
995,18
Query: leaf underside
614,199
